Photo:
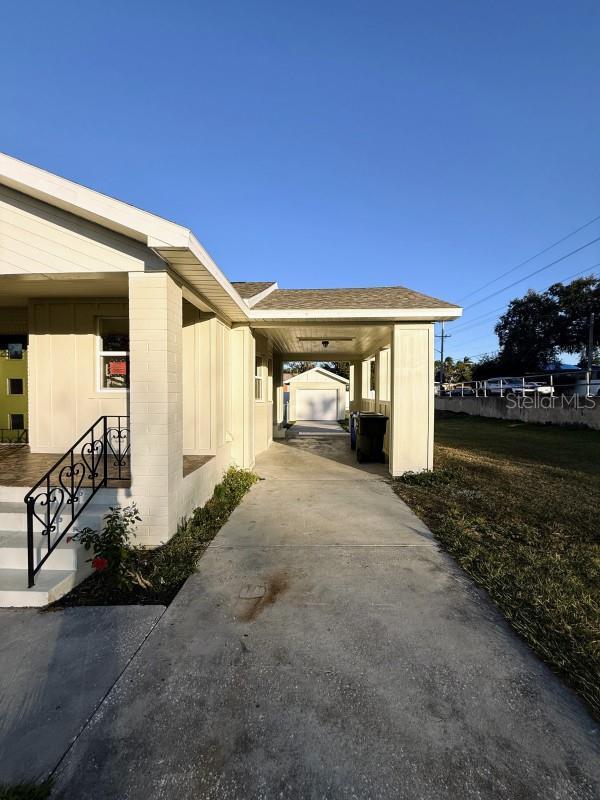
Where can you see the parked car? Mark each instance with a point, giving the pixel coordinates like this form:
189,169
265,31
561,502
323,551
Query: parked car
459,391
513,386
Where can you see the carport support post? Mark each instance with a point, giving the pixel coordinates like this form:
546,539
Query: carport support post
355,385
278,411
412,398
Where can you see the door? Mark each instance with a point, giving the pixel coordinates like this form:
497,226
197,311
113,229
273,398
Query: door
316,404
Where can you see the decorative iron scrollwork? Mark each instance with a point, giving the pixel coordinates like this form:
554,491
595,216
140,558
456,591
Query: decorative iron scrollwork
58,499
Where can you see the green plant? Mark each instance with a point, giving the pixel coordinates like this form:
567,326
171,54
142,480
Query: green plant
155,576
114,555
26,791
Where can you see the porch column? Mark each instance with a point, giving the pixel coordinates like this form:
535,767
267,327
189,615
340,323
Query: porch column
377,379
156,402
278,411
355,385
412,400
243,355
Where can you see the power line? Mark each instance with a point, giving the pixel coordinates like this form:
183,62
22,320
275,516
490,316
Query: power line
488,315
531,258
535,272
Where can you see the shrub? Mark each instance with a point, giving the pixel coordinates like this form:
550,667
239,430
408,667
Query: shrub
114,556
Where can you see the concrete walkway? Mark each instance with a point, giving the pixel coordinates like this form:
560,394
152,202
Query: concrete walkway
327,649
55,669
315,428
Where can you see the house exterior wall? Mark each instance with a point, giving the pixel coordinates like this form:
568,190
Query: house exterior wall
13,320
64,396
206,383
38,238
12,403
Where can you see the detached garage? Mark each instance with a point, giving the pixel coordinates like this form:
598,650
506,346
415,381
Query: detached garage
317,394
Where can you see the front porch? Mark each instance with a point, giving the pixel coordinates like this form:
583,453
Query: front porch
19,467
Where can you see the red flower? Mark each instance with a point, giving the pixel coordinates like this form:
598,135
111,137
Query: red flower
100,563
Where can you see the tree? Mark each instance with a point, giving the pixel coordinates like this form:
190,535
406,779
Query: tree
455,371
577,300
341,368
536,328
296,367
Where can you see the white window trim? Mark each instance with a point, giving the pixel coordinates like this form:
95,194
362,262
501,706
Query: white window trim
15,394
259,379
100,353
12,414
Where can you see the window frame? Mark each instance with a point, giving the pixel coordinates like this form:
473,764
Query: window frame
11,427
259,379
9,391
100,354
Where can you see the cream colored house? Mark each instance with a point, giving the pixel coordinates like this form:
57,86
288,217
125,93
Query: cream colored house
317,394
132,324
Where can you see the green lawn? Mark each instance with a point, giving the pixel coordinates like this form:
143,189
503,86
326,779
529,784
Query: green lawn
518,506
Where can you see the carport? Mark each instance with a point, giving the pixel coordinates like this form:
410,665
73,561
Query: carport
387,335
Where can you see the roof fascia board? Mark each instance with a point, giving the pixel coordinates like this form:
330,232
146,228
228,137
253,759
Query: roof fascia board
321,371
157,233
89,204
389,314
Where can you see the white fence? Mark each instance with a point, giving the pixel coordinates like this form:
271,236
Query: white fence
550,384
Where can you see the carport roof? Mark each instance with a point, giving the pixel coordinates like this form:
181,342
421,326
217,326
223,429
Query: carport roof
247,289
384,297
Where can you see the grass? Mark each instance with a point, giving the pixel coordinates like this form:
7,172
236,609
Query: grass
164,570
518,506
344,423
26,791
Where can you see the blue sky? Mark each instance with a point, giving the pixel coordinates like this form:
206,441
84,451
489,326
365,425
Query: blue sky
433,145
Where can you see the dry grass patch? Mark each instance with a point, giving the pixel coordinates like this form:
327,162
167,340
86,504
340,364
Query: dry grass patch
518,506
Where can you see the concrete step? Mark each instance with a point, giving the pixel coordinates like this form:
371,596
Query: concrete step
108,497
13,516
66,555
50,585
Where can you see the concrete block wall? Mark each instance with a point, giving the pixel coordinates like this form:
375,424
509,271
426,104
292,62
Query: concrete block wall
156,402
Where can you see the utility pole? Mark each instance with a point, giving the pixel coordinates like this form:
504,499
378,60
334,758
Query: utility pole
590,352
442,336
590,347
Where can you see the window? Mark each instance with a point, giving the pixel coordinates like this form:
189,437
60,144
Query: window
269,380
113,353
15,385
17,422
15,350
258,379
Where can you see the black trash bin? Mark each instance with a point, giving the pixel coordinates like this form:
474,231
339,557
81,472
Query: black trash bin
370,430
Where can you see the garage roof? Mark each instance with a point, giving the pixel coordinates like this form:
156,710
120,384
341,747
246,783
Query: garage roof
368,297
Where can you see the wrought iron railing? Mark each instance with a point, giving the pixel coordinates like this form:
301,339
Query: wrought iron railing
98,459
13,435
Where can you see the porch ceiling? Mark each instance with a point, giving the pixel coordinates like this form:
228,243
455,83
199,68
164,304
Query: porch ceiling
346,341
16,289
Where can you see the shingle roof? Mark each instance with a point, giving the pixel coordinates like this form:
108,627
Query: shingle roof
247,289
372,297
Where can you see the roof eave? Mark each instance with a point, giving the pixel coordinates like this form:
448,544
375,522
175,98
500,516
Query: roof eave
445,313
160,235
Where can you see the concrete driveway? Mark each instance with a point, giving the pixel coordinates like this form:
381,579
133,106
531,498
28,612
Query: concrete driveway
326,648
315,428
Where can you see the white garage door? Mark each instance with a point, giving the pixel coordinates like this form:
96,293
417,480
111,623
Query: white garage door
316,404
